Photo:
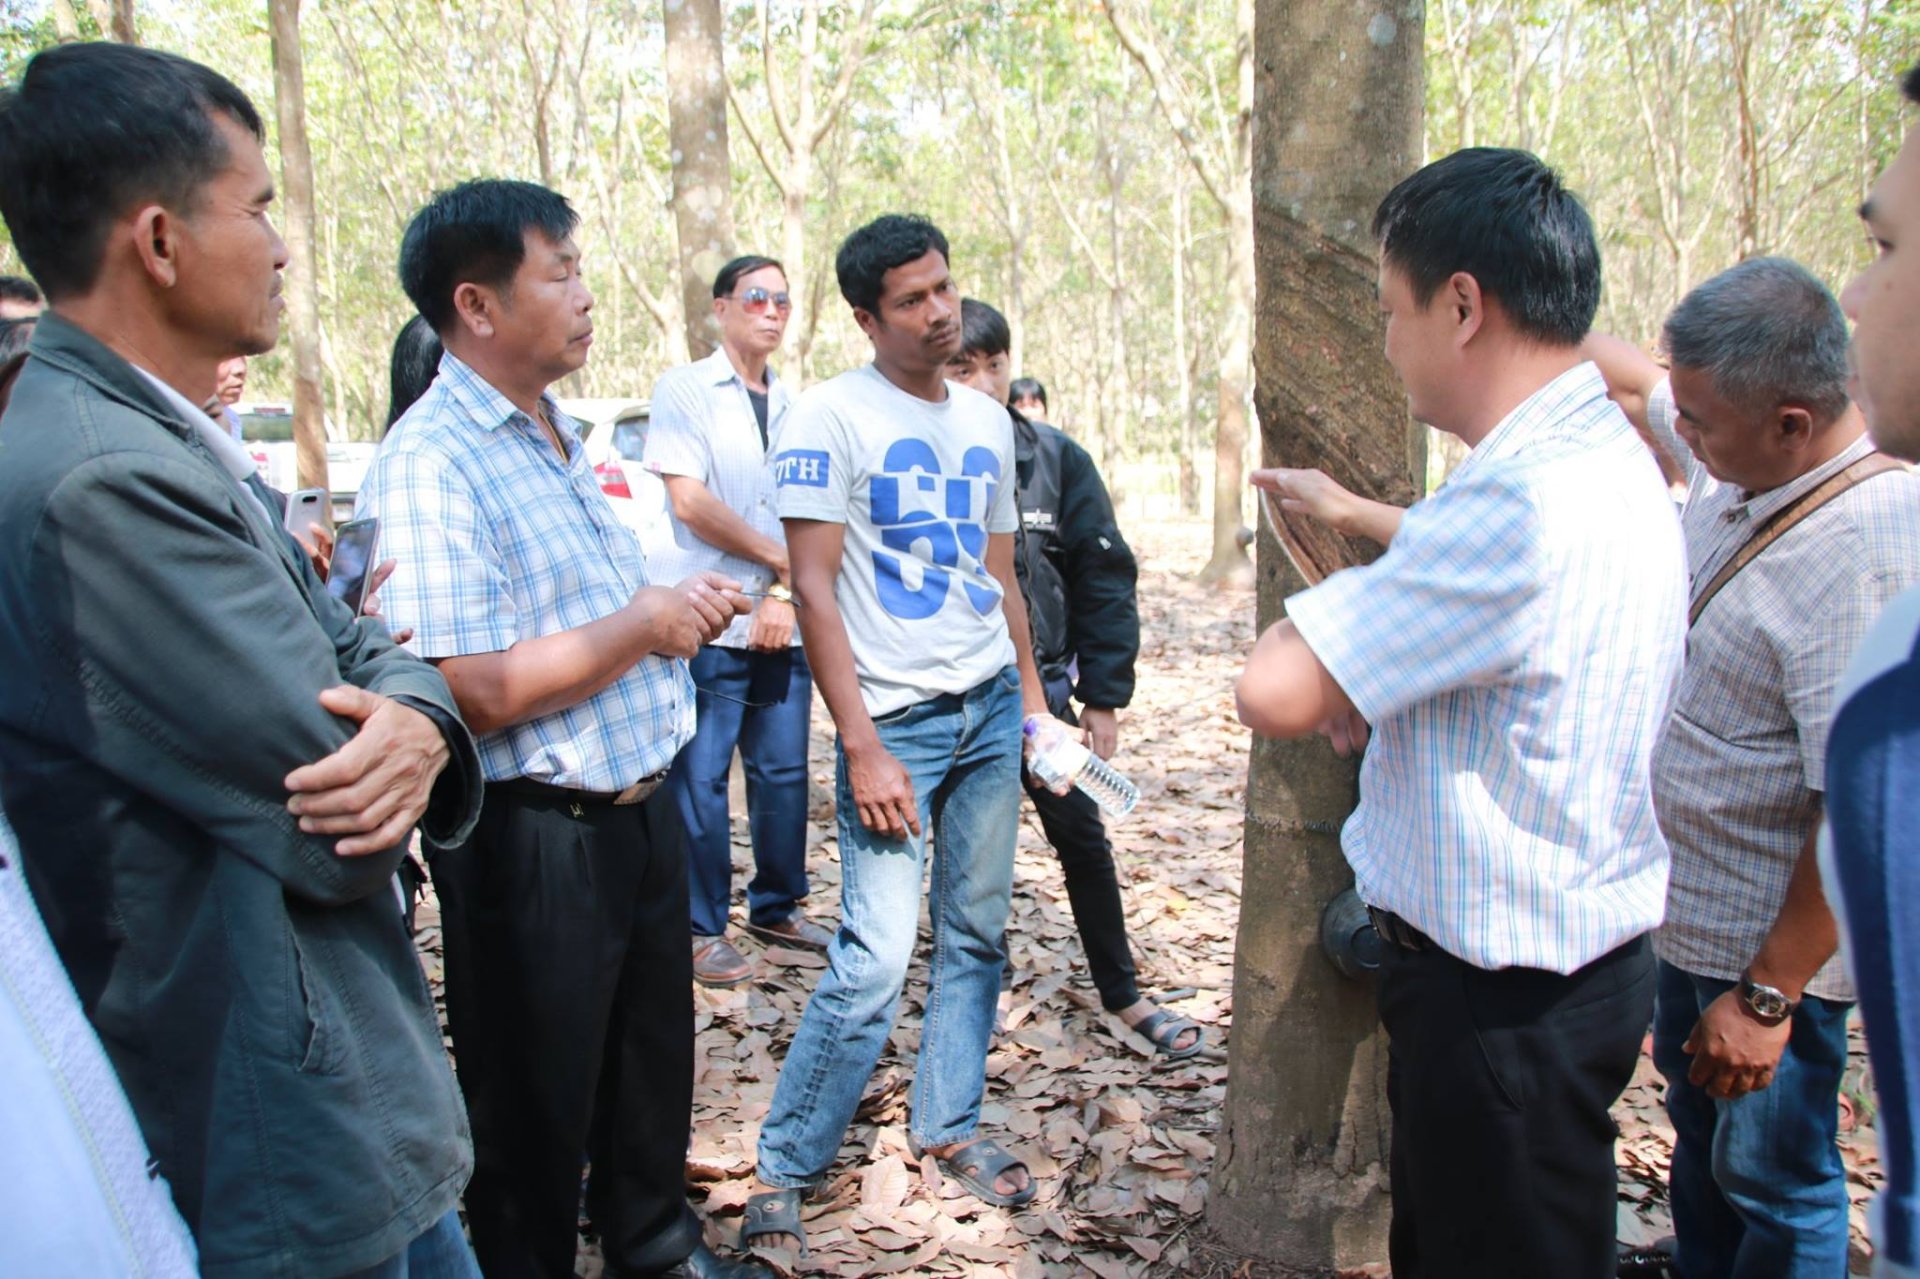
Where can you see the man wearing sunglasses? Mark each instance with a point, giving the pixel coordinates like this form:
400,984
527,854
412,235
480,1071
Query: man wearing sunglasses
708,442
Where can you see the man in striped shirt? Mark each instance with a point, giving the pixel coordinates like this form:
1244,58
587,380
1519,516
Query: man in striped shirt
1750,1026
1512,655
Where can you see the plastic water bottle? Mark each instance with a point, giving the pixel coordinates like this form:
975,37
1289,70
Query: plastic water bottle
1059,756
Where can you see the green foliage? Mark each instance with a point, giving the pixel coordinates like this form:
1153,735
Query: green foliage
1028,133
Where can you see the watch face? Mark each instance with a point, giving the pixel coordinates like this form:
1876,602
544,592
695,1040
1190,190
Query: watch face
1768,1002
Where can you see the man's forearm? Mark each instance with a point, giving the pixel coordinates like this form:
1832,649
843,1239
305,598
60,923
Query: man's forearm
1033,694
539,676
719,525
830,657
1804,935
1375,521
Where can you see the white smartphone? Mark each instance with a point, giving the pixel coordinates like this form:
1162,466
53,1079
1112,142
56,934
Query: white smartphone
308,508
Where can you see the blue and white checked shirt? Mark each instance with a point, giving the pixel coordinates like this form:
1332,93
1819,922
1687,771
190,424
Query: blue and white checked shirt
703,426
500,541
1515,651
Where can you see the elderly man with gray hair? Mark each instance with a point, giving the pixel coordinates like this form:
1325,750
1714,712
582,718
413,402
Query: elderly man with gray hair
1797,533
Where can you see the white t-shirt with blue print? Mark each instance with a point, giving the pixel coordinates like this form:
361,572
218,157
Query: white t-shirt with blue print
919,487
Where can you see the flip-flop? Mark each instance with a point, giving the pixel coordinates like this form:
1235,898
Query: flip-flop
1163,1029
978,1165
774,1212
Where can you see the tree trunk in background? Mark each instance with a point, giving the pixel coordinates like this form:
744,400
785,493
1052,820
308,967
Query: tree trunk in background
1302,1171
303,283
702,170
66,22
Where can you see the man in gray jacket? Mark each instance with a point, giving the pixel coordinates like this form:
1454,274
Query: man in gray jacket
213,768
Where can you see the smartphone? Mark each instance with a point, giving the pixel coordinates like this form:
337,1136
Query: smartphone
307,508
353,561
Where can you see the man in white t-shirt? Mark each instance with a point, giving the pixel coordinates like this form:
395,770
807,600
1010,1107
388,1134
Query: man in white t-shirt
896,490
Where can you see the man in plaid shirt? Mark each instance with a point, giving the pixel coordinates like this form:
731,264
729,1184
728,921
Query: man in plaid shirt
1750,1024
1512,655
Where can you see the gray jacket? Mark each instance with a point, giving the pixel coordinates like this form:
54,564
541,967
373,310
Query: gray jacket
164,645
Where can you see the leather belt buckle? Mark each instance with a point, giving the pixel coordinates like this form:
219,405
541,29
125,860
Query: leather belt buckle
1398,931
641,790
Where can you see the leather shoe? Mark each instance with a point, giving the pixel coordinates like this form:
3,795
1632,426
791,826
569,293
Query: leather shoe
795,930
717,963
705,1263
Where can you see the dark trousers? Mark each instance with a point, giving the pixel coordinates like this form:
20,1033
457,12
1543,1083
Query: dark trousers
569,993
1079,837
1501,1083
761,703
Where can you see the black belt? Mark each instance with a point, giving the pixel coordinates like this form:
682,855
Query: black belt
1398,931
633,794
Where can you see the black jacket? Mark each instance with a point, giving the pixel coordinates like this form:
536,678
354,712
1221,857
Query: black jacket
1076,571
165,646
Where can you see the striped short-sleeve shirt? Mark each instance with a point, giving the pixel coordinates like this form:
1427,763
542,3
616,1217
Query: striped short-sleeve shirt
1515,651
501,540
1740,767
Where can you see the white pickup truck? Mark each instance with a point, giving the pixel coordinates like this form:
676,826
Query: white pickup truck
266,431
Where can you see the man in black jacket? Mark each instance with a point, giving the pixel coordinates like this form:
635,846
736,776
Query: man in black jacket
212,765
1077,574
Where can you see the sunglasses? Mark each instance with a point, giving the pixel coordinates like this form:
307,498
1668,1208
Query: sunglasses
755,300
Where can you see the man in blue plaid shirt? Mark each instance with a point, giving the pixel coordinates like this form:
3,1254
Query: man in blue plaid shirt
569,982
1512,656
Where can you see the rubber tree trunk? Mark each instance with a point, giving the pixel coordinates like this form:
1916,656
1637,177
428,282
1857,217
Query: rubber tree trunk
702,170
303,282
1302,1172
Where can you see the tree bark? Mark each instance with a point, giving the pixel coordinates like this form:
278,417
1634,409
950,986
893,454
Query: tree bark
303,286
702,168
1302,1171
66,22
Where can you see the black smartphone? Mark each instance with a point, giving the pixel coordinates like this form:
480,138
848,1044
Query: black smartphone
353,561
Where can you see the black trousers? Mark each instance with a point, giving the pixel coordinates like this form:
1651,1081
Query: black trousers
1501,1083
1079,837
570,998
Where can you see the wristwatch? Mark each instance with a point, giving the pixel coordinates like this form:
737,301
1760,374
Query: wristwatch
1767,1005
780,591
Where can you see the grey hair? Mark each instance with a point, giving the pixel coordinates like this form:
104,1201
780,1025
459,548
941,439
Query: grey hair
1768,333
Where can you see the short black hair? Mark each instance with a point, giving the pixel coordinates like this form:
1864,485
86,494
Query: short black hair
411,370
476,233
15,288
1910,83
745,264
890,240
14,336
983,330
93,128
1027,388
1505,218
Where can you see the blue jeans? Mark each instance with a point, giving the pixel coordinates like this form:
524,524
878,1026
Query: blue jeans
1758,1188
440,1253
760,702
963,754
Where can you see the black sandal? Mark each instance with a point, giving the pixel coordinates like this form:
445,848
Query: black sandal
1163,1029
774,1212
978,1165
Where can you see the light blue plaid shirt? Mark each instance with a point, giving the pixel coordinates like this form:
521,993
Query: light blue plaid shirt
1515,651
500,541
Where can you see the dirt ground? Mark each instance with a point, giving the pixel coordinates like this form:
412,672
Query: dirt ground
1120,1142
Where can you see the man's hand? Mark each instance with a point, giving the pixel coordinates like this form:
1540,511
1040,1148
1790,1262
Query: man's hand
1312,492
375,788
693,613
1102,730
1733,1054
370,607
1348,730
772,627
882,792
